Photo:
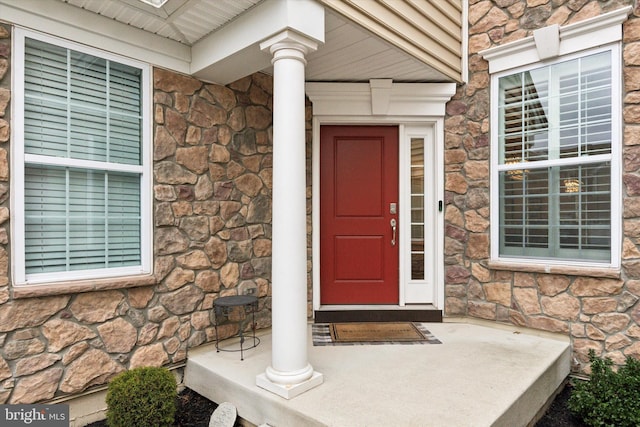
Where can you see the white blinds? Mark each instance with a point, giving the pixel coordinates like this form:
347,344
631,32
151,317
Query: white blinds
82,142
554,165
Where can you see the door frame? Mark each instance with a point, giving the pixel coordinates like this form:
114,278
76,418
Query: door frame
410,106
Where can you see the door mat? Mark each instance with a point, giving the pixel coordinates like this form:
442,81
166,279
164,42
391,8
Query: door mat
360,333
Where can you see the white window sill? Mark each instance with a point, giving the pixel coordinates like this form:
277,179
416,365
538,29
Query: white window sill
588,271
77,286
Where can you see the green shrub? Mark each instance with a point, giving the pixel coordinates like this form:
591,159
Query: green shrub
609,398
142,397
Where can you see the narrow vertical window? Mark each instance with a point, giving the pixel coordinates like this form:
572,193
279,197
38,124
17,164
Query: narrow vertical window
417,209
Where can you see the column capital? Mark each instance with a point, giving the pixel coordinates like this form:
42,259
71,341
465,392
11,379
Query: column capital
289,39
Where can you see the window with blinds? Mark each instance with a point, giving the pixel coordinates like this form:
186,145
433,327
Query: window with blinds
554,161
83,119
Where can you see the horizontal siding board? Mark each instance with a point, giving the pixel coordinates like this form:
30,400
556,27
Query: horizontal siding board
434,12
436,48
430,23
450,8
428,37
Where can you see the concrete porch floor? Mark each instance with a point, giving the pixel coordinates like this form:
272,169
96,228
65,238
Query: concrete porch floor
479,376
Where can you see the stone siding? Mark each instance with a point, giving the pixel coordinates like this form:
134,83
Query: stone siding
600,313
212,167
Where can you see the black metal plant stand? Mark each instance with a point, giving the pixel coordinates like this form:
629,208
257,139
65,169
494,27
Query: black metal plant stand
223,306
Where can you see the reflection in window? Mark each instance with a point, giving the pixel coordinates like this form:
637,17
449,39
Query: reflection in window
417,209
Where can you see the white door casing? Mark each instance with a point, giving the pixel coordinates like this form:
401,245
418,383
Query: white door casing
418,110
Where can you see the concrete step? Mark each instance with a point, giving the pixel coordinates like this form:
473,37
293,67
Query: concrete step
479,376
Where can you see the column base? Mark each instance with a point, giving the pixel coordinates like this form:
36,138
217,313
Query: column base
289,391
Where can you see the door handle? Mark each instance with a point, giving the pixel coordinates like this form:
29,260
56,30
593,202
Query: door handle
393,231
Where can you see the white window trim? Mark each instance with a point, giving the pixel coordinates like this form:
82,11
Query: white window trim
418,290
18,158
580,36
600,33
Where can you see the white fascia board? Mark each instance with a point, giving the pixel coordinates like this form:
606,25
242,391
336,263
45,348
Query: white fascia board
356,99
339,98
582,35
81,26
234,51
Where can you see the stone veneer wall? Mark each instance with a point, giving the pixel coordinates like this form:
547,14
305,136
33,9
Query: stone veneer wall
596,312
212,237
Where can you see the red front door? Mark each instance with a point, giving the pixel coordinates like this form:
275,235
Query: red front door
358,203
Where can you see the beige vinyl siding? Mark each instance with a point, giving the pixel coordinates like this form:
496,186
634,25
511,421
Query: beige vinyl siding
430,31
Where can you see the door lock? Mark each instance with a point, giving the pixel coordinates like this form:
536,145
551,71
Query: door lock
393,208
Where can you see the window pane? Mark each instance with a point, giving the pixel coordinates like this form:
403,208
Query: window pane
124,89
557,212
417,265
524,211
80,106
45,128
585,206
125,123
81,219
125,134
574,120
523,113
45,220
88,81
585,106
417,208
88,134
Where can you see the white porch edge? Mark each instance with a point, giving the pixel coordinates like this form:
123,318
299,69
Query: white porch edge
407,104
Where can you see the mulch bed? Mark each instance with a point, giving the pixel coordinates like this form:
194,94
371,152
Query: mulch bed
558,414
193,410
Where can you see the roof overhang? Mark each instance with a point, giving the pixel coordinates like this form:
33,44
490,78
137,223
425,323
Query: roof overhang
236,46
218,40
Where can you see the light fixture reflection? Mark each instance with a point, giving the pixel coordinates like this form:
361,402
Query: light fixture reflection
571,185
515,174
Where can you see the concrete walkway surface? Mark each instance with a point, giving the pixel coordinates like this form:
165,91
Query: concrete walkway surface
479,376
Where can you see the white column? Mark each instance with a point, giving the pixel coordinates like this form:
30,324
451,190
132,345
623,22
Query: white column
290,373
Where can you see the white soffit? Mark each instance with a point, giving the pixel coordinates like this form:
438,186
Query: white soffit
233,51
185,21
353,54
582,35
84,26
